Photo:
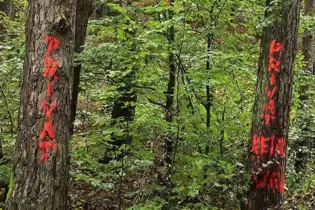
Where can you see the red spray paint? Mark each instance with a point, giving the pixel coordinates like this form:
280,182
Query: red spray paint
49,105
270,145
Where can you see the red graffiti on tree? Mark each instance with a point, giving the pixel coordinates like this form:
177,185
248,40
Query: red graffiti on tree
51,65
270,146
47,109
269,110
275,180
49,105
262,145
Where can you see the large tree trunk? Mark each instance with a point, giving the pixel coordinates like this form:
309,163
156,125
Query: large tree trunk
41,160
272,107
84,10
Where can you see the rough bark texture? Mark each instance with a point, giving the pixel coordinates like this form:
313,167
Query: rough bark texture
84,10
267,164
41,185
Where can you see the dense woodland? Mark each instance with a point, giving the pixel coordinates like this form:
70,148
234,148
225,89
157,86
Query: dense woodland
157,104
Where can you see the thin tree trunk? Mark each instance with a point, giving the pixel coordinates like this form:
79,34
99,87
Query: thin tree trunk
272,107
84,10
208,91
169,107
41,160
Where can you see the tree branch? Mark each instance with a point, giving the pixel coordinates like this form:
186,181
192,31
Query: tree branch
156,103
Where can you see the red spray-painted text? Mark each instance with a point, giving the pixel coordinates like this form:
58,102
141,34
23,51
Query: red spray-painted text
49,105
272,145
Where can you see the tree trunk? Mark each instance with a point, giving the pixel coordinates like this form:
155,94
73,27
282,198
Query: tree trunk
169,107
84,10
272,107
41,160
208,88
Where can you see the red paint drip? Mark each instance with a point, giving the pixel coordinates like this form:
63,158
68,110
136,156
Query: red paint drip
51,66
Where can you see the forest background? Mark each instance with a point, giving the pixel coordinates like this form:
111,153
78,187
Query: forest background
134,53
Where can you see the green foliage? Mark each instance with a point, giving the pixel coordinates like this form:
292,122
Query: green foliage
12,52
202,168
209,169
5,175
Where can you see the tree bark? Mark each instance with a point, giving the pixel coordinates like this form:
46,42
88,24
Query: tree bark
208,88
84,10
41,159
267,153
169,107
